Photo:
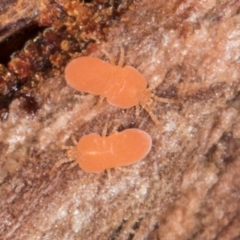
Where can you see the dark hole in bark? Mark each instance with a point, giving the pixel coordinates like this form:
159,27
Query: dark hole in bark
17,41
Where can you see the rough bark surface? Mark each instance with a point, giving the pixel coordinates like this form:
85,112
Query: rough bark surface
188,187
15,15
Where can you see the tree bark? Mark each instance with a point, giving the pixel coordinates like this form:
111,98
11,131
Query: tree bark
188,187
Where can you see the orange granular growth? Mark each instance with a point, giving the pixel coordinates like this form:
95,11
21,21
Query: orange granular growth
98,153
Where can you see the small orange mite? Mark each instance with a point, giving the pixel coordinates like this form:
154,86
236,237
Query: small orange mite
123,87
95,154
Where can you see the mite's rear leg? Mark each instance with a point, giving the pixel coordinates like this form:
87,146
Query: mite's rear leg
105,129
117,124
111,59
109,56
164,100
121,58
58,164
114,130
73,164
124,169
100,103
160,99
137,113
109,174
153,116
74,140
150,112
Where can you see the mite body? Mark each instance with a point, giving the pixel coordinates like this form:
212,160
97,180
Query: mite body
95,154
122,86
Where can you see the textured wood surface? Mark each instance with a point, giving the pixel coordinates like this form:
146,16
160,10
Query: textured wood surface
16,15
188,187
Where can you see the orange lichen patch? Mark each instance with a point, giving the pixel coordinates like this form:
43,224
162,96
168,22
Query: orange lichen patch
96,154
123,87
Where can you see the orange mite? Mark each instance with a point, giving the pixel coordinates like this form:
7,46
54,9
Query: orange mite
123,87
95,154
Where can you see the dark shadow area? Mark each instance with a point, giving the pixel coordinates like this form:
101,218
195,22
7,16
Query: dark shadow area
17,41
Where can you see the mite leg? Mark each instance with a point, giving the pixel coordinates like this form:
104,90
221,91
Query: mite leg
129,169
59,163
72,165
153,116
100,103
109,56
66,160
105,128
74,140
121,59
137,111
124,169
114,130
164,100
109,175
115,127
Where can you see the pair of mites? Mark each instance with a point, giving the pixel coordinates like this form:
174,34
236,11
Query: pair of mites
122,87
